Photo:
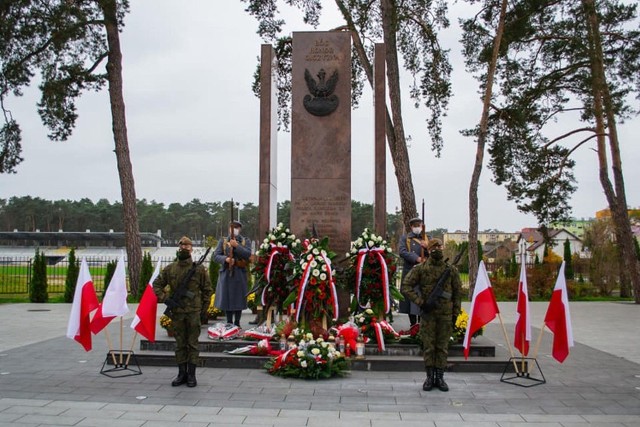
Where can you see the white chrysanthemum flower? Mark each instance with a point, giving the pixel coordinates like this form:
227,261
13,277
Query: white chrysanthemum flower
323,276
309,257
294,244
311,342
287,230
316,251
353,251
315,272
361,319
323,252
359,241
324,344
389,250
300,353
279,244
280,225
272,237
266,240
282,235
320,339
309,336
314,264
368,311
304,265
303,363
379,239
293,236
371,243
315,351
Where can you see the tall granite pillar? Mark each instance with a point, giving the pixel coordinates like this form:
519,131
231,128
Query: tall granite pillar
321,137
268,188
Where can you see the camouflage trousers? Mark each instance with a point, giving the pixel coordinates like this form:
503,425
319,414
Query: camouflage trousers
435,333
186,332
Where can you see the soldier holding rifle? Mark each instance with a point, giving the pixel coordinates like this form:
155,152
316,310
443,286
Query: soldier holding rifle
233,254
412,249
435,287
184,286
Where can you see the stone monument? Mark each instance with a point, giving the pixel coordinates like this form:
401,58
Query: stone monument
321,137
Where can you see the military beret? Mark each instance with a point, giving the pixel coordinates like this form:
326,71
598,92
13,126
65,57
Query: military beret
184,240
416,220
236,223
434,242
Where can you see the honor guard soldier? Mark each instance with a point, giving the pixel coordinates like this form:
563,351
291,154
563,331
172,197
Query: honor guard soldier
233,254
184,286
435,287
413,250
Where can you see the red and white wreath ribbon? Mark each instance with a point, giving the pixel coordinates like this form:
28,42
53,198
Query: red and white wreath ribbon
303,287
379,253
377,327
275,250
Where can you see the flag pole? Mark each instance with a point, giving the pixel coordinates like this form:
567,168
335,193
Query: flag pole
133,341
522,355
121,334
535,350
113,356
506,339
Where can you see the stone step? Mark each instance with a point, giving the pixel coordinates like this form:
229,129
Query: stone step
369,363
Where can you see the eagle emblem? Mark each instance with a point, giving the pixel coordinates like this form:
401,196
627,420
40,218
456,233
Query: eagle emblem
321,101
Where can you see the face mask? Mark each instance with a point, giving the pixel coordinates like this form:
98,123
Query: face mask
236,232
437,255
416,230
183,254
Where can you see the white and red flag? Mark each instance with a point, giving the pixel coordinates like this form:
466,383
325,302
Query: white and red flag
85,301
114,303
483,307
558,319
523,323
144,322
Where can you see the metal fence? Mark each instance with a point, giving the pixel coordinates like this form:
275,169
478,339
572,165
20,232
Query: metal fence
16,273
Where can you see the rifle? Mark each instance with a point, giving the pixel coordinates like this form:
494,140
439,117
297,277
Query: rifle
423,235
231,236
438,291
175,301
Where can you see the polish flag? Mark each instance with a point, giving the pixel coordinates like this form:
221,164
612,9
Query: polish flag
84,302
144,321
558,318
114,303
523,322
483,307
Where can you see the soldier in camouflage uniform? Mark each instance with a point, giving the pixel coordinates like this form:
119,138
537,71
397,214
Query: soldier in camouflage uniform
437,324
185,319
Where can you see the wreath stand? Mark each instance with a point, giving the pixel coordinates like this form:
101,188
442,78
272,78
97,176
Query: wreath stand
121,367
522,377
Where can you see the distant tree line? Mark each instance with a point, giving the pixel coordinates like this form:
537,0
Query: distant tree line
196,218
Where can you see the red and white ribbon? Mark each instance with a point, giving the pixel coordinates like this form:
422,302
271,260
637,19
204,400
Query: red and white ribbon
377,327
302,288
332,286
379,253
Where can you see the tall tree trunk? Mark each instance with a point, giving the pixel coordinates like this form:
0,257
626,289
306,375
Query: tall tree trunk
482,137
119,127
630,268
402,168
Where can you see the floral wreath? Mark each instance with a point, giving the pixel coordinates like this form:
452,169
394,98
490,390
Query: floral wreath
310,358
274,259
373,265
314,290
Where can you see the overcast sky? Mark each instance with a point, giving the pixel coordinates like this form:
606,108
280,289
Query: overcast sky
193,126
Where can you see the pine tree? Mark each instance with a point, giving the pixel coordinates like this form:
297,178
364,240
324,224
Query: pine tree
108,274
72,277
145,274
568,261
38,286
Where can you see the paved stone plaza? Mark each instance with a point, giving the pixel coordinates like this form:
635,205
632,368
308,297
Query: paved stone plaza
48,379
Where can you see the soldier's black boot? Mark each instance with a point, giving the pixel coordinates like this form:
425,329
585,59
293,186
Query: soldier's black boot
428,383
191,375
182,375
440,383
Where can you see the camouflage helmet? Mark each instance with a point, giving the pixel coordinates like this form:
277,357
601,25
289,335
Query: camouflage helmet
433,243
184,240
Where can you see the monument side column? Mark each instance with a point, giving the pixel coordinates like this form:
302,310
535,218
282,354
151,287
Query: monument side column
268,188
380,136
321,137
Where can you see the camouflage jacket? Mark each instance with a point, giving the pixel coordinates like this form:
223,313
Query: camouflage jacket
199,286
421,280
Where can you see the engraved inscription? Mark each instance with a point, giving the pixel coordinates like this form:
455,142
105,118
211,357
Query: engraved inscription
321,51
